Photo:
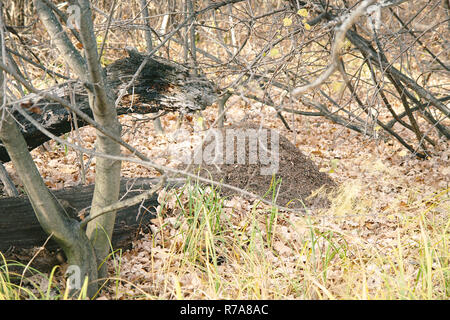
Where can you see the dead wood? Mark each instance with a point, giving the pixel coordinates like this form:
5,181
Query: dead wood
162,85
19,228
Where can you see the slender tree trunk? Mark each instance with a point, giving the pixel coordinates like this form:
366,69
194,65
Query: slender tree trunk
107,176
148,40
88,69
49,212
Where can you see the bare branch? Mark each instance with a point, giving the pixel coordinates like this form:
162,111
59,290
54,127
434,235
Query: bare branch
337,46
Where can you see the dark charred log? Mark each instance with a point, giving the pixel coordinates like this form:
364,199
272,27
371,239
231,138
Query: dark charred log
162,85
20,229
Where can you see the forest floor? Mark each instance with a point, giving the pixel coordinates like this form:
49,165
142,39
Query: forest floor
385,231
385,234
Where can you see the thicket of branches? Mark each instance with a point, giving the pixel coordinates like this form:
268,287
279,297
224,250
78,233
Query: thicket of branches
377,67
389,71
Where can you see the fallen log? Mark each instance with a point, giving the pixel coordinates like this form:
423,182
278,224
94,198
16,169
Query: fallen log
20,230
161,86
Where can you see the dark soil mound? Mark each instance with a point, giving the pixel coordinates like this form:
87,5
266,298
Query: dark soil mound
299,175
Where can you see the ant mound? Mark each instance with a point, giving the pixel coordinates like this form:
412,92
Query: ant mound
261,161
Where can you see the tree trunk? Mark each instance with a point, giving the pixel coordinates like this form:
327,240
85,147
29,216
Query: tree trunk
107,171
49,212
